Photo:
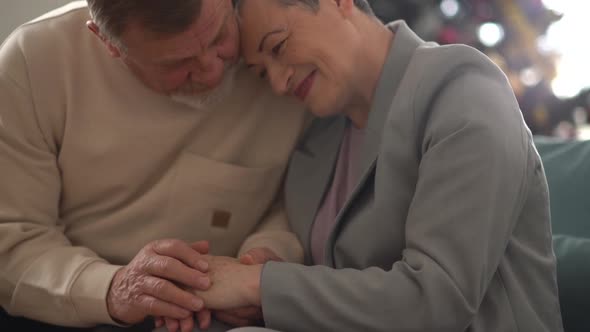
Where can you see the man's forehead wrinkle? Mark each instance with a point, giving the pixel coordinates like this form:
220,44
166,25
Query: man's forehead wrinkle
210,23
192,41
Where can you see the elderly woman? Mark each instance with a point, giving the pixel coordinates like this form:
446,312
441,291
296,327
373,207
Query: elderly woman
418,194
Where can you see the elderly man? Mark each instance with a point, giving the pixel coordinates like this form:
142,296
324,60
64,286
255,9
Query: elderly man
119,153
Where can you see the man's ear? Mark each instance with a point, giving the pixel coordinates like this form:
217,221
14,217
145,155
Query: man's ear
345,6
113,50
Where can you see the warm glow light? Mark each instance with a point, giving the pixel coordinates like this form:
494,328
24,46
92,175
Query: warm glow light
450,8
566,38
559,6
530,76
490,34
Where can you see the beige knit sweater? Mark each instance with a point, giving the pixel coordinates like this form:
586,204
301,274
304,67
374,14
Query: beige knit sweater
93,166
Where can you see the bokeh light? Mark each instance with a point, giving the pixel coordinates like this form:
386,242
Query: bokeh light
567,38
490,34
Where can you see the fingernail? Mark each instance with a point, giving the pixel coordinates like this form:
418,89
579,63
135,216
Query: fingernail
203,282
184,313
203,266
197,304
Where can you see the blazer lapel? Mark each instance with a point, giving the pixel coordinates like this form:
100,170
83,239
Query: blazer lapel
400,54
310,174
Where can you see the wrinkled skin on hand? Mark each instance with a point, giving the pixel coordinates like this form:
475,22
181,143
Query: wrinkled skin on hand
242,316
150,285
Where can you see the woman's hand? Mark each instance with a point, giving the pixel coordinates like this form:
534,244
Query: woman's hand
233,284
248,316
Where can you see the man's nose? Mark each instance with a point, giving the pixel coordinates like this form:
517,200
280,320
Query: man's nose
208,71
208,61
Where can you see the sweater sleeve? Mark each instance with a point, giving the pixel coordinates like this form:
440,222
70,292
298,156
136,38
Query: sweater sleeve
42,275
274,233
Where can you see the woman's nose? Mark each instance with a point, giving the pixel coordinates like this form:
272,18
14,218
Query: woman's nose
280,78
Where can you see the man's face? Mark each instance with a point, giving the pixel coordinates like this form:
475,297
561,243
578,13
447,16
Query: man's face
188,63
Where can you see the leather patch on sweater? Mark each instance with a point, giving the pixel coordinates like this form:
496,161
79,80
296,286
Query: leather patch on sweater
220,219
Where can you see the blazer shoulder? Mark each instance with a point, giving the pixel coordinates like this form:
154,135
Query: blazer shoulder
434,66
456,86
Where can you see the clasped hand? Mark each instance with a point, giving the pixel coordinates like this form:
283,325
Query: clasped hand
233,296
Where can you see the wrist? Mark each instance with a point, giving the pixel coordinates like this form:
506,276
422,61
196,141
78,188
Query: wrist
112,303
253,285
89,292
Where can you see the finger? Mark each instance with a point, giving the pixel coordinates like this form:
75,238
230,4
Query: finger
187,324
231,319
158,322
201,247
204,317
172,325
155,307
171,269
247,259
182,252
262,255
252,313
166,291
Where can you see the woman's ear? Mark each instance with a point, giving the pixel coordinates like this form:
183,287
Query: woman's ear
113,50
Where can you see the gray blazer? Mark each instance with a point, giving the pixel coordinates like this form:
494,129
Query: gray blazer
448,228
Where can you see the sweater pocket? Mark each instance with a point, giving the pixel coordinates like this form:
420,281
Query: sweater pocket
222,202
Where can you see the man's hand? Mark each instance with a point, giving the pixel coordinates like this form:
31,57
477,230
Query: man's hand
186,324
147,285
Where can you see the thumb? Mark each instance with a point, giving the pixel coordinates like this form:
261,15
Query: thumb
247,259
202,247
259,255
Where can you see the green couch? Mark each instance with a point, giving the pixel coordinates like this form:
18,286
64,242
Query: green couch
567,166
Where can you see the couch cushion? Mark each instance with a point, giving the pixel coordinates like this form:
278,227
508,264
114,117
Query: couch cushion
573,276
567,166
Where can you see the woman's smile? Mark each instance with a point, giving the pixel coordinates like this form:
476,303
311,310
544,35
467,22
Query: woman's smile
305,86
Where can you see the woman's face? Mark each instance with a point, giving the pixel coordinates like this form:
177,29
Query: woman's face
303,53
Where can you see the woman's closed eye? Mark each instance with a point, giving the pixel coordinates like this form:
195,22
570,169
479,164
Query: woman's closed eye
258,70
278,47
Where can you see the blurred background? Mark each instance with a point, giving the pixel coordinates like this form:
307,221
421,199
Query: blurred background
541,45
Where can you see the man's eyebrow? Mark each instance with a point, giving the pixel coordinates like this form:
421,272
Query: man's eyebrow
261,46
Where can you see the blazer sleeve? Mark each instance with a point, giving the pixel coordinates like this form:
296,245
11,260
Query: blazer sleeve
42,275
468,196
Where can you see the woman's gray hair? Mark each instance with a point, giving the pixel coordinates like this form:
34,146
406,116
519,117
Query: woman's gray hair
314,5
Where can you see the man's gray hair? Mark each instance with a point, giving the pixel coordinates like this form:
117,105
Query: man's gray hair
363,5
163,17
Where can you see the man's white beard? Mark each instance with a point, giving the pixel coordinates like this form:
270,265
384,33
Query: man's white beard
187,95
